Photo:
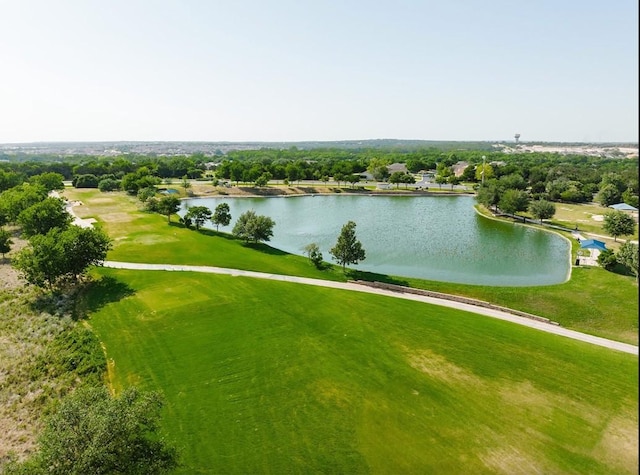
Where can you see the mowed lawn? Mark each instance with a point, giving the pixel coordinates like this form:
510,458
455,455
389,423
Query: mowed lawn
272,377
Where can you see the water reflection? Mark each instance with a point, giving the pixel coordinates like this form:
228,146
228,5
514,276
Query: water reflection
439,238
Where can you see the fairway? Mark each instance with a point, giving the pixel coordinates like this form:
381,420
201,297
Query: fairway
273,377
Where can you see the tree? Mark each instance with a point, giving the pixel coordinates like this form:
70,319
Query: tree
198,215
87,180
618,223
489,194
43,216
607,259
5,242
221,215
484,172
348,250
15,200
168,205
609,195
396,178
61,254
313,253
49,180
542,209
95,433
513,201
252,227
144,194
627,256
108,184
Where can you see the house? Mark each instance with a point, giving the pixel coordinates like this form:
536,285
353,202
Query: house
459,168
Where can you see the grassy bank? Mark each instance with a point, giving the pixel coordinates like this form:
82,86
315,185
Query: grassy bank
262,376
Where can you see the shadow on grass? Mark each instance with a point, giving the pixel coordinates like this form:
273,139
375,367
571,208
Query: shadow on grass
354,274
96,294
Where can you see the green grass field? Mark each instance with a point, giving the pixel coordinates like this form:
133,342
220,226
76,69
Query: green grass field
271,377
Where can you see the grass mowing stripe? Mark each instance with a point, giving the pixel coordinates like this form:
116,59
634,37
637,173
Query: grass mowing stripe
264,376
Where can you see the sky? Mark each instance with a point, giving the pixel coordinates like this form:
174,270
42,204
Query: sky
307,70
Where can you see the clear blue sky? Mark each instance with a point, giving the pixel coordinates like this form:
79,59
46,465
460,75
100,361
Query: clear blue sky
236,70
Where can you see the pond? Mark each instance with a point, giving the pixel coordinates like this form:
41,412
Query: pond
430,237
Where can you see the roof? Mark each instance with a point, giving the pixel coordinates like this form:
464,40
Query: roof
623,207
593,244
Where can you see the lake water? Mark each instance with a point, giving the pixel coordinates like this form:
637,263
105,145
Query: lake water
430,237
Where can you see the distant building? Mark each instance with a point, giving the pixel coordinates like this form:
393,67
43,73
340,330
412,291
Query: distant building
458,168
625,208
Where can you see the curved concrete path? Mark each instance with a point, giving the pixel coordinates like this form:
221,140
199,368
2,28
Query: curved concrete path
542,326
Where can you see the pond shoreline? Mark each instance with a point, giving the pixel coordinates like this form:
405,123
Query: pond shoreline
210,191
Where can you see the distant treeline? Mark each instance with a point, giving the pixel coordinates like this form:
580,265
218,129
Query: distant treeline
539,171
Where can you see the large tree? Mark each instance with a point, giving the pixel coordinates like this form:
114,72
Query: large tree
168,205
253,227
93,432
221,215
43,216
618,223
348,250
542,209
61,255
198,215
513,201
628,257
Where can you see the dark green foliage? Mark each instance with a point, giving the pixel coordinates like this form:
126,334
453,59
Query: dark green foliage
628,257
85,181
253,227
43,216
609,195
94,433
542,209
49,180
607,259
198,215
168,205
348,250
17,199
108,184
141,178
5,241
513,201
618,223
61,255
144,194
221,215
313,252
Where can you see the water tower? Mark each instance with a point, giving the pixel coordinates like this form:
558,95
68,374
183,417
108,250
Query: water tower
517,137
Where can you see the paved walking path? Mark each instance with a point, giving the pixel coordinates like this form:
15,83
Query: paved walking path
542,326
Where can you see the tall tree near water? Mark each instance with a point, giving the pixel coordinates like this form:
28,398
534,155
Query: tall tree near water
348,250
168,205
221,215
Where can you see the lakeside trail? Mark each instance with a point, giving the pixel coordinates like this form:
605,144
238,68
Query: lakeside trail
489,312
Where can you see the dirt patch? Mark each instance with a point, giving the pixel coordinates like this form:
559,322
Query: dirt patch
116,217
9,277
